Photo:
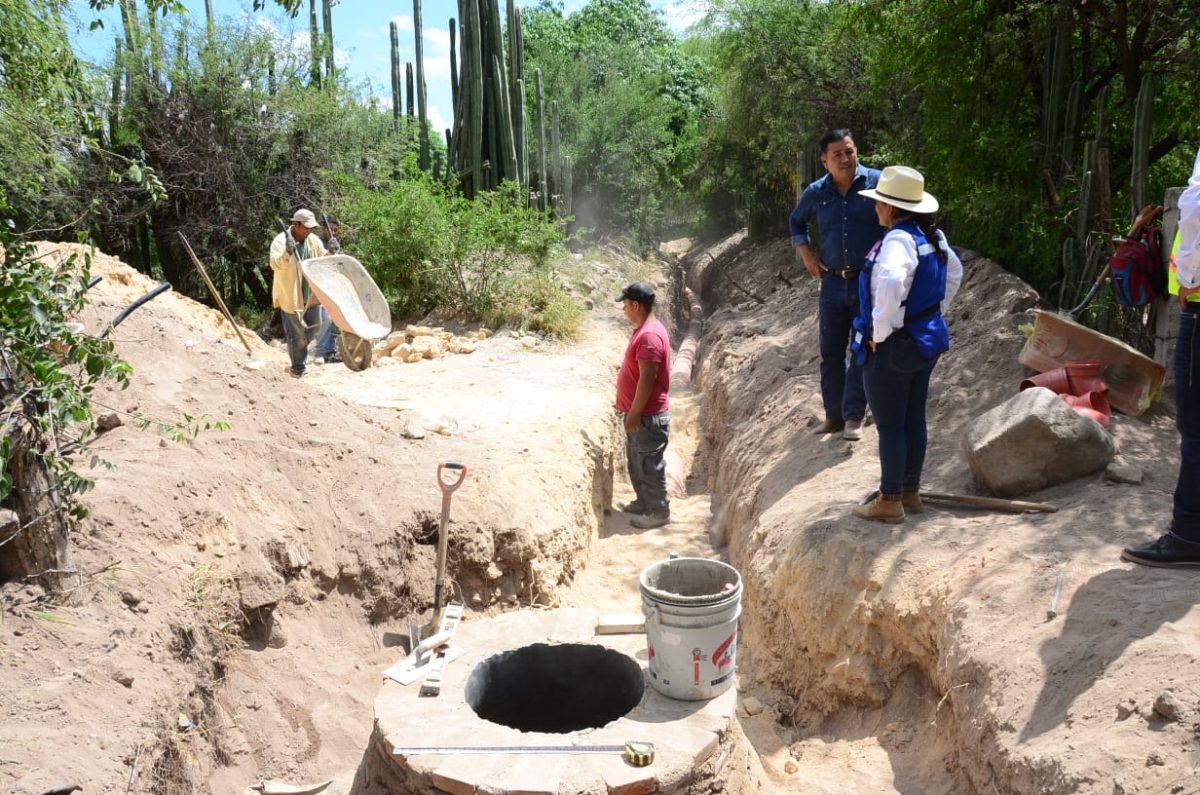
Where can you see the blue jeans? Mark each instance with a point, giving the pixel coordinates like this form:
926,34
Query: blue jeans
841,386
300,332
327,342
896,377
1185,519
644,456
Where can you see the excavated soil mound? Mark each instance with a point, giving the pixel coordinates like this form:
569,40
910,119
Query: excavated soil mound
938,628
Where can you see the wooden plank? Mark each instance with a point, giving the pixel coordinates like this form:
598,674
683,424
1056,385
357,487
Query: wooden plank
1134,380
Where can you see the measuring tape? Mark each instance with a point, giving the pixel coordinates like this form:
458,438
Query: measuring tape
638,754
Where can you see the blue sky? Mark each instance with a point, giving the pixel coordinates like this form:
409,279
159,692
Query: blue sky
361,37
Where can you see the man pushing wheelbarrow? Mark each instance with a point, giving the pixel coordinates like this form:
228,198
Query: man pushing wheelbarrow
313,289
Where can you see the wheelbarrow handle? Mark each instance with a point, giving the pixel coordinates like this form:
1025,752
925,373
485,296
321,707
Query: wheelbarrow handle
449,488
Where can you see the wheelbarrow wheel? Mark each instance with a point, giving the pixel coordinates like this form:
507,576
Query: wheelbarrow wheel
355,351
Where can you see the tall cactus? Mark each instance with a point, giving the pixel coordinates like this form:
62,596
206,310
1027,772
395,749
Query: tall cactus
114,109
422,117
1139,177
408,81
1055,70
314,44
556,157
453,65
504,126
327,41
475,97
397,100
522,145
569,185
541,112
1070,131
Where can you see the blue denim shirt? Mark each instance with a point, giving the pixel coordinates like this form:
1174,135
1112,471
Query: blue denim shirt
846,225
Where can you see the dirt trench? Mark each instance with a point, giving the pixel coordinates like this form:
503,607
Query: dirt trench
872,659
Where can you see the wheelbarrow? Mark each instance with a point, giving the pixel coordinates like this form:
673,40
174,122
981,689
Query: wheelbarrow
354,303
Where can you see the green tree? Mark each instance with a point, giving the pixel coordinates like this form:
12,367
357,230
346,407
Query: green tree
632,102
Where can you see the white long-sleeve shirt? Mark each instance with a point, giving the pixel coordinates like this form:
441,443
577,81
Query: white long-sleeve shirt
892,277
1187,260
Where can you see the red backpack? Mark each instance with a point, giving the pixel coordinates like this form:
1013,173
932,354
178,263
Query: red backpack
1136,269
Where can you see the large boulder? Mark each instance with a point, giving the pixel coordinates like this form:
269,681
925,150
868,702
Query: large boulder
1032,441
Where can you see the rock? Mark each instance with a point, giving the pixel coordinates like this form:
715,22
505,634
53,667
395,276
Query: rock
589,304
460,345
131,598
429,347
1126,709
121,676
752,705
528,342
413,429
1169,706
106,422
790,767
259,589
1032,441
1121,471
389,344
1156,759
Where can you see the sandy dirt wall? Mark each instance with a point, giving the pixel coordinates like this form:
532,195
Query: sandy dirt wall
840,612
244,588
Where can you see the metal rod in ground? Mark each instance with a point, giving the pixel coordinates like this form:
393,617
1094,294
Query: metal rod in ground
971,501
213,290
1058,586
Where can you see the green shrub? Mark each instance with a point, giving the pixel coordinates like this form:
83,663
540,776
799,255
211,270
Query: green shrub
489,258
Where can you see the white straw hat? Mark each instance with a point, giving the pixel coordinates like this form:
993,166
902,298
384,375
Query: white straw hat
903,187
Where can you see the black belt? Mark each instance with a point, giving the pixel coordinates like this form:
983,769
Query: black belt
845,273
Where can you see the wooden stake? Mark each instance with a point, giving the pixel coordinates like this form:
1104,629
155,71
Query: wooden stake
213,290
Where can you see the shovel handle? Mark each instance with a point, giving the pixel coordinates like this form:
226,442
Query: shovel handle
449,487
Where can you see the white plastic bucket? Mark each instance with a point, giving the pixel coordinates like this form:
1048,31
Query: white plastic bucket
692,607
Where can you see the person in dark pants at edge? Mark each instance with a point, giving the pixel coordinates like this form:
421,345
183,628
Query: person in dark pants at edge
643,399
327,352
907,282
1179,547
846,228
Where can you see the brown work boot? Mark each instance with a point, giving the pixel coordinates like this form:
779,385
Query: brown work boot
884,508
830,425
853,430
911,500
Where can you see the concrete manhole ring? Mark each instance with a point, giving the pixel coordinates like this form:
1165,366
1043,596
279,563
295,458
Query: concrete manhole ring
686,734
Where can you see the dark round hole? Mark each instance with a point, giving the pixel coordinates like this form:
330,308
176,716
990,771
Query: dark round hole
557,689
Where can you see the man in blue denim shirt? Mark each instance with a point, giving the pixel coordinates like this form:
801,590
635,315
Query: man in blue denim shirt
846,229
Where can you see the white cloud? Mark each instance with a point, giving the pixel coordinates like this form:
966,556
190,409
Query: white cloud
403,21
682,14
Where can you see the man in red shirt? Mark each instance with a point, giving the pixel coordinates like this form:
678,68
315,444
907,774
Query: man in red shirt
643,386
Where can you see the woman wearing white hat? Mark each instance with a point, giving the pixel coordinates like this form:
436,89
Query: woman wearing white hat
907,281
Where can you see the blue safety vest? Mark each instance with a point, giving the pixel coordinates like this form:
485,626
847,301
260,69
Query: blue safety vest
923,319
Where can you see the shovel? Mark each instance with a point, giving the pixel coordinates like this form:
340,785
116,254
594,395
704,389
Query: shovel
431,646
448,488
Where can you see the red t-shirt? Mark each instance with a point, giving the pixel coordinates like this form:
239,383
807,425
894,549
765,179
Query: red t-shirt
649,343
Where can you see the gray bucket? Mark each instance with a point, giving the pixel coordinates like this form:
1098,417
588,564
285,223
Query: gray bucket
691,626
